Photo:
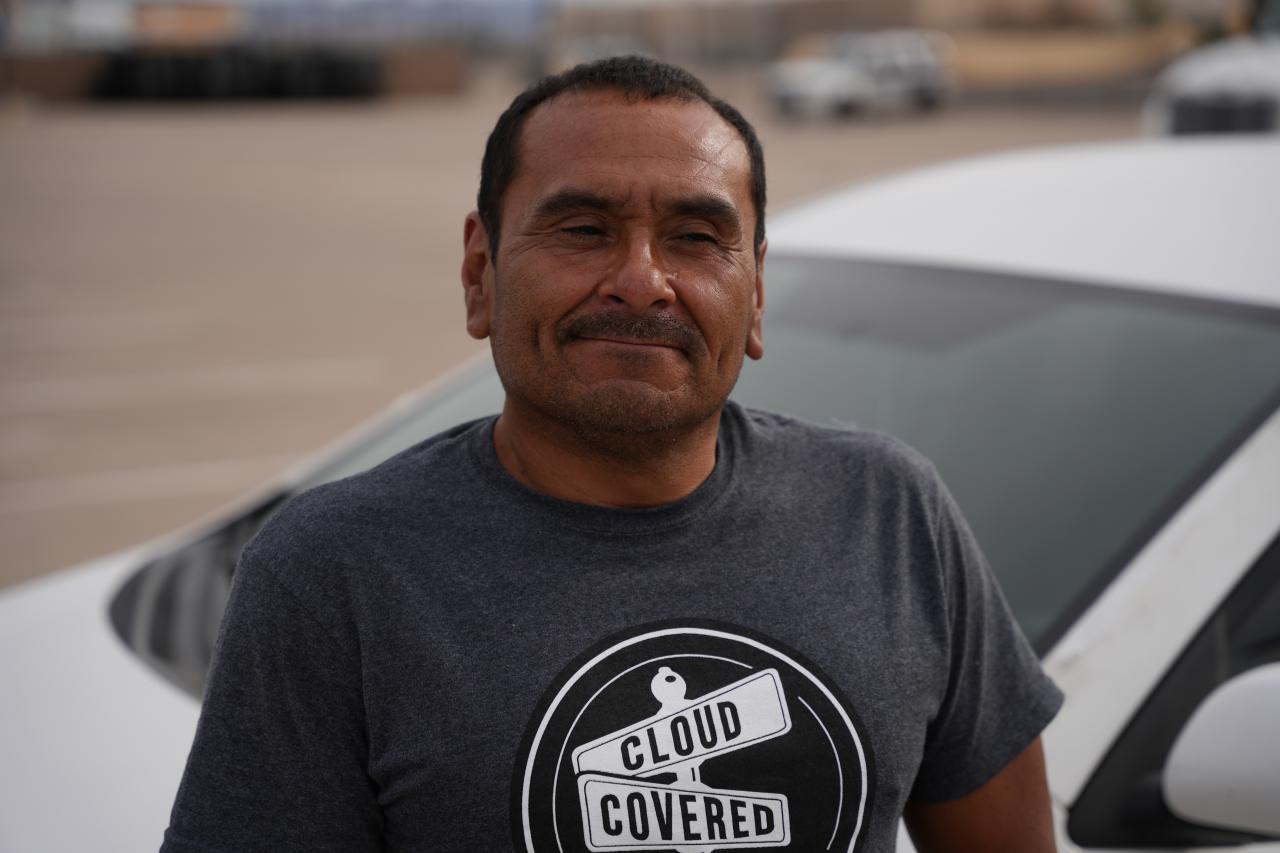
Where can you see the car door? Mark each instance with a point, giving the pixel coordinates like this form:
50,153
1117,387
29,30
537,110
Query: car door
1196,609
1126,803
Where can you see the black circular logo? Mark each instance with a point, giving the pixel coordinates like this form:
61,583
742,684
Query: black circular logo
692,737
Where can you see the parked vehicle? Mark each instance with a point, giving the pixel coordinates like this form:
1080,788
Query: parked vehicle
852,73
1087,343
1231,86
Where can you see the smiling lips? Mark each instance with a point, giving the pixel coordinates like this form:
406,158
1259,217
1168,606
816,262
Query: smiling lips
651,331
629,343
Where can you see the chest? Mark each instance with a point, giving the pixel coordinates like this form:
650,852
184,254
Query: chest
645,697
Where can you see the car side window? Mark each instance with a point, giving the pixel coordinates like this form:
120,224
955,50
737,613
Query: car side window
169,611
1122,805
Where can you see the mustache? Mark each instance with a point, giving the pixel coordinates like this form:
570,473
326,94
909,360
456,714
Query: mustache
655,328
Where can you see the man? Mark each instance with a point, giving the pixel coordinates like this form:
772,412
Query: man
623,614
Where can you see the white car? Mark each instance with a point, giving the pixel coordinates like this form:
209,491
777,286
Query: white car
1085,340
1232,86
851,73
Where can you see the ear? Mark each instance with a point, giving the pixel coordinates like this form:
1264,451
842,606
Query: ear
477,276
755,335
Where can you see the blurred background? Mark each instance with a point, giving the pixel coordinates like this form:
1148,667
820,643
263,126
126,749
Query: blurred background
230,229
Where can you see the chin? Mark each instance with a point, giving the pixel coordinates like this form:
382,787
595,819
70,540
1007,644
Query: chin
632,409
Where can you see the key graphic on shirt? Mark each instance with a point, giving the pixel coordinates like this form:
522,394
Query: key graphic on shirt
625,813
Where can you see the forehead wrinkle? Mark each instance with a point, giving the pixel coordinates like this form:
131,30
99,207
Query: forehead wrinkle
707,157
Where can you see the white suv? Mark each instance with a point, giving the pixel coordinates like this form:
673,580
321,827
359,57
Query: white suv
854,72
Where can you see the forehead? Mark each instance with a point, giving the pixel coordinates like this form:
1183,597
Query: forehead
621,146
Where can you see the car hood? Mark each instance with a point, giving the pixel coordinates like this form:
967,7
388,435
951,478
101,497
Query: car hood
1186,215
86,722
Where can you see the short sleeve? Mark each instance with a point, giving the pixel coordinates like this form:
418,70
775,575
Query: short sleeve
997,698
280,751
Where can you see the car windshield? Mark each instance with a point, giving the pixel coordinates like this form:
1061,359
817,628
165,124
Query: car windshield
1069,421
861,51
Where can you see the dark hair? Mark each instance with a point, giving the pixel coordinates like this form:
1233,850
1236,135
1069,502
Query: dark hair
636,77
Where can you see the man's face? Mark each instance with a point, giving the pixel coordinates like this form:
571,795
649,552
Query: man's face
626,288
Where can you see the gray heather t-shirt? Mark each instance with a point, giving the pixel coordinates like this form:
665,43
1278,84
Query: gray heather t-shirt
431,657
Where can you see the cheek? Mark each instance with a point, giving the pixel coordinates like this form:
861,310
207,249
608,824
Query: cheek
527,308
724,315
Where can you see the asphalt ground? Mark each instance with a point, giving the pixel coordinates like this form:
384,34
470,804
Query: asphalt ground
194,297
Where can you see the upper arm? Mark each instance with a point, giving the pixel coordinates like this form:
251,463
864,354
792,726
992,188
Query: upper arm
279,758
1009,814
995,698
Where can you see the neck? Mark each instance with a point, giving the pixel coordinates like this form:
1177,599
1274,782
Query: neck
604,470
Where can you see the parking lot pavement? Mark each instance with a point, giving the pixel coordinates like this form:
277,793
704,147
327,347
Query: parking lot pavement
190,299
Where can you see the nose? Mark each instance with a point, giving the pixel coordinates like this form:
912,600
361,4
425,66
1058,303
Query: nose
638,279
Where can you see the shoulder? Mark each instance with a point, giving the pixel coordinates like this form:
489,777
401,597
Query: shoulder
842,474
834,451
340,521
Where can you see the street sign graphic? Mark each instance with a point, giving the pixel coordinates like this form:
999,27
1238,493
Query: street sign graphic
691,737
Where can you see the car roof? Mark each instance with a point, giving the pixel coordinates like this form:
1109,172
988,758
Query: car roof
1195,216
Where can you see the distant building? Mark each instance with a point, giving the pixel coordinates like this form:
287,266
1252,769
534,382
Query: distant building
728,28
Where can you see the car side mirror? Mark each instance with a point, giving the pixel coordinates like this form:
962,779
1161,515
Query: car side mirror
1224,768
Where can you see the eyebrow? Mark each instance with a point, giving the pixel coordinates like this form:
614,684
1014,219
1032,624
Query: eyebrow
569,200
706,206
710,207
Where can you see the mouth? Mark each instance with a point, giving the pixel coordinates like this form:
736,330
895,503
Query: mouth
650,332
645,343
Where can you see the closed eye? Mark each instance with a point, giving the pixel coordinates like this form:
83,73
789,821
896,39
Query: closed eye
583,230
